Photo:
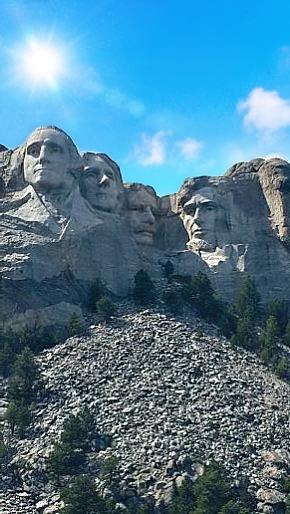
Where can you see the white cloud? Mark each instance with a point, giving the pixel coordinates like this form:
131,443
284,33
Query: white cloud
189,147
152,149
266,111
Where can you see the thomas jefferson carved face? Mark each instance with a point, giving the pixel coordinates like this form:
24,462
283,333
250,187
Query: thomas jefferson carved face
142,207
100,184
47,161
202,217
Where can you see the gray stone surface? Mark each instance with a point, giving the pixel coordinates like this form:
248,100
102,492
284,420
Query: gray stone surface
166,394
67,220
162,391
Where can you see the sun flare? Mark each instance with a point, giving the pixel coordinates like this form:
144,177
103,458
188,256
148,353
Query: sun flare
40,63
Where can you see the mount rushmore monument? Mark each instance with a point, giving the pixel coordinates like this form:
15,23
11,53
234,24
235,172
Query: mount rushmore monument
68,219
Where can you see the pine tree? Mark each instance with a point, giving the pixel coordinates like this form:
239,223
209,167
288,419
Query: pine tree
36,338
248,301
245,334
68,454
269,340
212,491
105,308
22,386
7,357
171,299
281,368
64,460
82,497
77,429
199,293
75,325
234,507
185,500
18,416
286,339
96,292
4,453
110,469
278,309
144,290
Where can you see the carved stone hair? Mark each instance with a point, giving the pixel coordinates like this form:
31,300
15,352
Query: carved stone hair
192,185
135,186
102,157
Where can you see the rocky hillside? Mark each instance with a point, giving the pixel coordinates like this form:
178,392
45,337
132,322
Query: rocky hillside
166,391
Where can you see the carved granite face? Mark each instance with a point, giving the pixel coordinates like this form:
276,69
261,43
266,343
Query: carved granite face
142,207
202,217
47,161
100,184
275,182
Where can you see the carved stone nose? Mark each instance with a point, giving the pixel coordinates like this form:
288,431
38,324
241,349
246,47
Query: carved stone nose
196,215
43,159
149,216
104,180
43,155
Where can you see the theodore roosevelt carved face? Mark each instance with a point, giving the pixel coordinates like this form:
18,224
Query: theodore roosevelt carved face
141,211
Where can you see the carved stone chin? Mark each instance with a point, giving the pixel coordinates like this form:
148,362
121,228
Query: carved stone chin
198,245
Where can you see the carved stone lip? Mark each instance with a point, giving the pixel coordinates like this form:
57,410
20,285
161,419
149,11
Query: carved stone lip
145,232
199,232
42,168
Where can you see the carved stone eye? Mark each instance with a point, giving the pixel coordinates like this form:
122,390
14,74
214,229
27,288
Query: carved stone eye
54,148
189,209
33,150
285,186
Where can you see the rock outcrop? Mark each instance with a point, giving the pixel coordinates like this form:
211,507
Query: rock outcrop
67,220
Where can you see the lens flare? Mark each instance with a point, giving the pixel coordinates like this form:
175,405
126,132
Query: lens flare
39,63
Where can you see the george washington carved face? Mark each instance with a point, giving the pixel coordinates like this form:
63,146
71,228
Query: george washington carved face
48,160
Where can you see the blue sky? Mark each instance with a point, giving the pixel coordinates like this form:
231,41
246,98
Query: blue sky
169,89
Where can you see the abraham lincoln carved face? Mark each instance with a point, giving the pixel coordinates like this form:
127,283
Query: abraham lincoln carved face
203,216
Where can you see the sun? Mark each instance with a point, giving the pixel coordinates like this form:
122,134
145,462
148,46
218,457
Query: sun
40,63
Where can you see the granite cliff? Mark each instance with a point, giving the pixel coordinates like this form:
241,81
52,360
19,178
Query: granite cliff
67,219
170,397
